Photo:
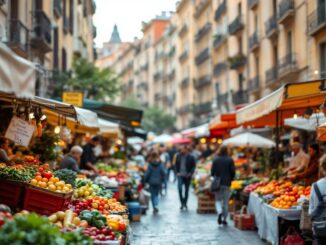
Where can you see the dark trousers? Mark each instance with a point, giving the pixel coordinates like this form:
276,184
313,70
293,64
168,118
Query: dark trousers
171,169
183,181
321,241
155,191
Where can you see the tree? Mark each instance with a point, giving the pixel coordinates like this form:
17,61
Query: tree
95,83
154,118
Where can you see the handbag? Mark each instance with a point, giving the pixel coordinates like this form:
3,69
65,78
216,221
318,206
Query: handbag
292,237
244,220
319,216
216,184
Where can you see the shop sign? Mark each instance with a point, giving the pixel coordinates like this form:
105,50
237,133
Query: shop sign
73,98
20,131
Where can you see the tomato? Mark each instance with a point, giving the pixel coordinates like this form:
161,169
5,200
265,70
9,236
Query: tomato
40,169
48,175
37,174
122,227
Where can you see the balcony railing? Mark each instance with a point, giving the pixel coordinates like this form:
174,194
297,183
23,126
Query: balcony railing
171,75
202,57
219,68
183,56
253,84
157,96
183,30
252,3
203,31
185,82
285,10
172,51
42,31
185,109
157,76
271,75
203,81
143,85
287,64
18,38
317,21
57,10
236,25
218,40
222,99
254,41
237,61
271,26
240,97
203,108
220,10
144,67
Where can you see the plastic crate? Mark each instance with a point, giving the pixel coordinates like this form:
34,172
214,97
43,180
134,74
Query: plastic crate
11,193
45,202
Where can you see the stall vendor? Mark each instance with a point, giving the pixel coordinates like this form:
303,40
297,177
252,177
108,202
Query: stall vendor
310,173
5,150
88,158
71,160
299,161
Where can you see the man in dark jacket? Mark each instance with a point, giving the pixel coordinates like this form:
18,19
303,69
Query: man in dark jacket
223,168
185,167
88,158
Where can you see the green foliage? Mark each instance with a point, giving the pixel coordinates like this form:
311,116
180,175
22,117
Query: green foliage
131,102
66,175
95,83
45,146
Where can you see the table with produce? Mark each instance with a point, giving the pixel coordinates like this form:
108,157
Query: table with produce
272,201
41,205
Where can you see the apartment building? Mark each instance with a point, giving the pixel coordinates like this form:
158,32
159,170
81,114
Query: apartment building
49,33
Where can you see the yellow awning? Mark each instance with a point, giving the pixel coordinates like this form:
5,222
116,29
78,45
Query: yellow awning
290,99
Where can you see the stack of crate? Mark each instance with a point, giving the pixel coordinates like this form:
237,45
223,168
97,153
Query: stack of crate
206,204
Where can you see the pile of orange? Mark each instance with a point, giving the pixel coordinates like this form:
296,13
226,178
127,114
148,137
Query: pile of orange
52,184
284,202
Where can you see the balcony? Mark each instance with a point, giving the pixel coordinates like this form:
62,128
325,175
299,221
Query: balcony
271,27
130,83
287,65
202,57
252,4
171,75
221,9
57,10
157,76
184,56
183,30
201,7
171,52
253,84
185,109
144,67
240,97
185,82
42,32
143,85
237,61
254,41
236,26
219,68
317,21
285,11
94,31
157,96
18,38
271,75
218,40
203,31
203,81
203,108
222,99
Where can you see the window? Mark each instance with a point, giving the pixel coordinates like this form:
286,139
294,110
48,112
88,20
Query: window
274,7
239,8
240,45
322,60
55,49
240,81
256,22
275,55
64,60
71,16
257,66
289,42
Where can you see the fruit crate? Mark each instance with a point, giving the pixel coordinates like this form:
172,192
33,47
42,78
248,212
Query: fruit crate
206,204
11,193
45,202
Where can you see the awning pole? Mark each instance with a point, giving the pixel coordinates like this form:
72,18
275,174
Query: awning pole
277,132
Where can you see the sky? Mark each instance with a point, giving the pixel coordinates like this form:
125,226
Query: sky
128,15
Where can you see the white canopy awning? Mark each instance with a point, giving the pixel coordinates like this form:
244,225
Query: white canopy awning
249,140
310,124
162,139
17,75
107,127
199,131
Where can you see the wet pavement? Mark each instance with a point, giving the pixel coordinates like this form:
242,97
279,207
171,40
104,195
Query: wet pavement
174,227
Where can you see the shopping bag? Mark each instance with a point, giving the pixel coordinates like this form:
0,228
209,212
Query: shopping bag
244,220
292,237
216,184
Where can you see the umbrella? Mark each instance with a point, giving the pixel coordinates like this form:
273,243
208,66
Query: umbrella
310,124
180,141
249,139
135,140
162,139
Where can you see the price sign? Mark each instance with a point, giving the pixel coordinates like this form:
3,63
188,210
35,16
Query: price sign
20,131
73,98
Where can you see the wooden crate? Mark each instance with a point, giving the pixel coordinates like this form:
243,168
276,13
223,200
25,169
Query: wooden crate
206,204
135,217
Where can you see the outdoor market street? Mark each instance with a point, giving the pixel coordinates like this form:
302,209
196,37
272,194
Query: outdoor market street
174,227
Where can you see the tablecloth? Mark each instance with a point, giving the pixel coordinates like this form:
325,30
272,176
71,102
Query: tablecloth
267,218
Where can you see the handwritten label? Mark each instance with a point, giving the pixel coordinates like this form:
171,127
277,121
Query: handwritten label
20,131
73,98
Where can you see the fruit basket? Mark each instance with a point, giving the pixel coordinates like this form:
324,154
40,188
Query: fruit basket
11,193
43,201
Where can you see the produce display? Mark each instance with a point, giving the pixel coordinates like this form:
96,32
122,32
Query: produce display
112,171
67,219
18,173
87,189
67,176
104,234
93,218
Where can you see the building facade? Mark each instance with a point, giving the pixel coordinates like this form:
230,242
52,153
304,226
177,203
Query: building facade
49,33
233,52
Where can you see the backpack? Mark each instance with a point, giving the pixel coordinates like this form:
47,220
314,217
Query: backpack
319,215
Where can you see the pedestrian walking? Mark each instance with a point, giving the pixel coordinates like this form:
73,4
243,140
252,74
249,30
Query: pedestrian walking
172,153
223,168
155,176
185,168
166,162
317,205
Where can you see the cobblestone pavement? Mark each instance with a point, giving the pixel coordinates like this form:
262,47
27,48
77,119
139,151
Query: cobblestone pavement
174,227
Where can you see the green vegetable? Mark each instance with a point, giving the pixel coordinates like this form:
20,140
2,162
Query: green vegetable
67,176
99,224
83,182
93,218
34,229
23,174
